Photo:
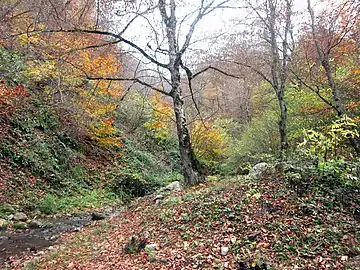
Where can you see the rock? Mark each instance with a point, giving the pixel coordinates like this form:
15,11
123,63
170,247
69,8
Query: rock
174,186
51,248
224,251
20,216
260,169
233,240
3,238
35,224
158,199
98,216
151,247
3,224
20,225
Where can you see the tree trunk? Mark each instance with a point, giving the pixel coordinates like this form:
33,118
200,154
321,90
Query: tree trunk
282,123
279,66
186,152
324,56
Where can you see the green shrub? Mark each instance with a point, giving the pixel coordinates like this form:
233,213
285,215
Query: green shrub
12,66
48,205
338,172
330,142
82,200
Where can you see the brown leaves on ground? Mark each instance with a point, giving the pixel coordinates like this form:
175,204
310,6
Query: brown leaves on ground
261,223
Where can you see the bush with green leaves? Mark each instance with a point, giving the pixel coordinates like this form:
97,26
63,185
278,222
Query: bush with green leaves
339,172
12,66
331,141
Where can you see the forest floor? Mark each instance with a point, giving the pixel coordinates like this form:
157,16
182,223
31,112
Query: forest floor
221,224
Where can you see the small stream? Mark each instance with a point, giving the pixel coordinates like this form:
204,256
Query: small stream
20,242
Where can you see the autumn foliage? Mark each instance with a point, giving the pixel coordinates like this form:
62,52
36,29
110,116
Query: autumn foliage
161,122
10,98
210,142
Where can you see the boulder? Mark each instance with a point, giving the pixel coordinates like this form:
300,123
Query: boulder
151,247
174,186
260,169
158,198
20,216
35,224
3,224
224,251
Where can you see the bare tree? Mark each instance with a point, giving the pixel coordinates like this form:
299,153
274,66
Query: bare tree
163,55
337,29
273,21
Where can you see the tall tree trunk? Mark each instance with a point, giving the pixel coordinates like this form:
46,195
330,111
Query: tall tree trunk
186,152
282,123
185,148
279,66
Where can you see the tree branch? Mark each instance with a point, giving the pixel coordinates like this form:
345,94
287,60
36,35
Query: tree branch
136,80
117,36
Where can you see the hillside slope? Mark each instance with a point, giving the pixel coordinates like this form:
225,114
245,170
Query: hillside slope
228,224
45,166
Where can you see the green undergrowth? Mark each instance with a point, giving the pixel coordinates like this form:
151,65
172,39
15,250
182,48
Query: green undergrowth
84,200
46,168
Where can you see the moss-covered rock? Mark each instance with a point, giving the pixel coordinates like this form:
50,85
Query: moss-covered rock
20,225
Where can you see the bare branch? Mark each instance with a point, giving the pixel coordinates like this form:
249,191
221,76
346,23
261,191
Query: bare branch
117,36
130,80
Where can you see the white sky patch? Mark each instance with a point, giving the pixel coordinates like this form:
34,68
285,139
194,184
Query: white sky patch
210,34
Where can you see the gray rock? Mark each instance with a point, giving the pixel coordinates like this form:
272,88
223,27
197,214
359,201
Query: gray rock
3,238
260,169
3,224
174,186
20,216
158,198
151,247
224,251
35,224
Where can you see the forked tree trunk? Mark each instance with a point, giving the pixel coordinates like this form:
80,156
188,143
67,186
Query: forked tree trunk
185,148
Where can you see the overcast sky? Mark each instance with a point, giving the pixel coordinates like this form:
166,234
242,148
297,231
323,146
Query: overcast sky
222,21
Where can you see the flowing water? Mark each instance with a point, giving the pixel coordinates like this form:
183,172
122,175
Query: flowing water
21,242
